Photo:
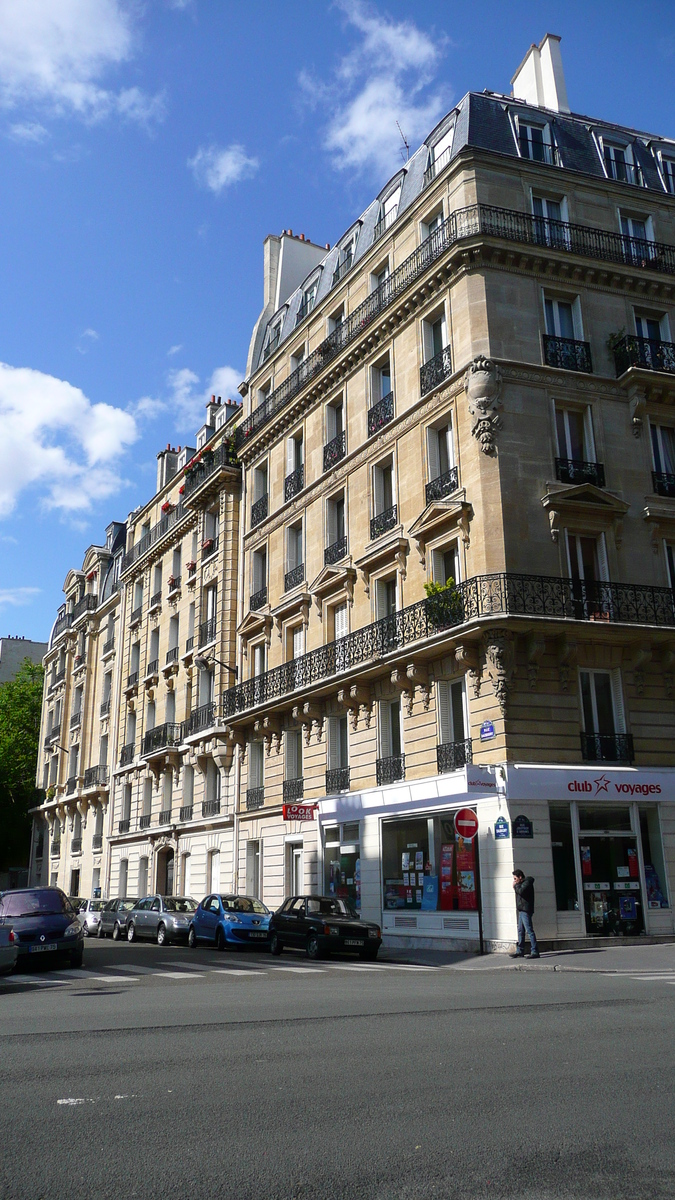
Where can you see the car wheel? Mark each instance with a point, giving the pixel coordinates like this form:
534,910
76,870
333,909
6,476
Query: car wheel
220,939
76,958
99,932
192,937
117,932
161,935
313,947
131,931
370,953
276,945
85,931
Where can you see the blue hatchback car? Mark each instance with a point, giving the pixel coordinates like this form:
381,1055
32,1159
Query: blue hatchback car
230,921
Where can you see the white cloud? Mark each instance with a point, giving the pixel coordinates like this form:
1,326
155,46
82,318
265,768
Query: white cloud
217,167
384,80
173,350
54,441
55,53
86,339
27,131
18,596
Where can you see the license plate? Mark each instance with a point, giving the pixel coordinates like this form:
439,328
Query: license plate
353,942
256,933
39,949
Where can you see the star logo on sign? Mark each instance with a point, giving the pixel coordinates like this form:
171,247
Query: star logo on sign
601,784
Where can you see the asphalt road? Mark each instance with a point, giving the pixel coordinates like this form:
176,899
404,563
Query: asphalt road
170,1073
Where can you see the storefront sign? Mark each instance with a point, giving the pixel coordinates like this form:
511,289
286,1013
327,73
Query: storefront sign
299,812
580,783
487,731
522,827
466,823
501,828
596,887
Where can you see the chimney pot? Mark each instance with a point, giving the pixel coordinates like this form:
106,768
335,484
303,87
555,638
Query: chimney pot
290,233
327,245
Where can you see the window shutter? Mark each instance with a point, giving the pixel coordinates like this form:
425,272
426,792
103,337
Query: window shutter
291,754
378,483
603,566
341,621
617,701
331,424
290,456
449,445
444,712
333,743
332,523
256,765
437,565
385,729
298,641
433,454
381,599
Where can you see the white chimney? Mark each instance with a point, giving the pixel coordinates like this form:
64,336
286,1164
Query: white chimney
540,79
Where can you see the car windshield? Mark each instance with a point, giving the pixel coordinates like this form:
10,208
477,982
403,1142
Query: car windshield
126,905
179,904
43,902
329,906
97,906
243,904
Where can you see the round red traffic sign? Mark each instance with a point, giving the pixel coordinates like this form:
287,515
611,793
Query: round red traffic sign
466,823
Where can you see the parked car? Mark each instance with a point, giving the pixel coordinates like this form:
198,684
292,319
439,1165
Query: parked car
230,921
44,921
90,916
115,916
323,924
9,949
166,918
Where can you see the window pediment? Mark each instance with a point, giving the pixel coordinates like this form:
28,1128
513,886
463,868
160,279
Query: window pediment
588,507
333,579
451,514
253,624
390,550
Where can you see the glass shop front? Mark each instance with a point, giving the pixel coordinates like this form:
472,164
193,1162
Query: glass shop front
342,862
427,866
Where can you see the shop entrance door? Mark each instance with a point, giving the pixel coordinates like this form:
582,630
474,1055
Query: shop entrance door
610,872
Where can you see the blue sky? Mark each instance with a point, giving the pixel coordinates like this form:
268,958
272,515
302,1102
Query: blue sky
148,148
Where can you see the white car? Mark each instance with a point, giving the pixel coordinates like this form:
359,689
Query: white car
89,916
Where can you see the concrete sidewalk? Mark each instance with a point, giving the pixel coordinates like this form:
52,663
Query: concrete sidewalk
615,959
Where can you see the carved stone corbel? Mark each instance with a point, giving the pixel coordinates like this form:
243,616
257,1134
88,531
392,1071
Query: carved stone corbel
401,682
309,715
641,654
638,411
270,729
535,644
554,524
83,807
401,555
500,661
482,384
351,699
468,660
365,579
419,677
567,659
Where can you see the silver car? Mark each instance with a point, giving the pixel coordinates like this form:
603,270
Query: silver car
164,918
115,915
89,916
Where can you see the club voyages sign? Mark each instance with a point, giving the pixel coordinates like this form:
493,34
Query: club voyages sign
589,783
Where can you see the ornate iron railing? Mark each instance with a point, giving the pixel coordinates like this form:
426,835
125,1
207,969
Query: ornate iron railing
294,483
343,268
622,171
211,461
255,797
123,826
389,770
334,553
647,353
162,736
189,644
337,780
207,632
165,816
294,577
542,152
567,354
154,535
63,622
259,511
96,776
76,719
437,166
97,841
127,754
144,821
435,370
136,615
663,483
294,789
602,747
171,655
450,756
210,808
271,344
383,522
442,485
381,414
334,450
185,812
85,604
210,547
306,307
574,470
152,668
109,646
174,583
105,706
503,594
200,718
156,600
71,785
258,599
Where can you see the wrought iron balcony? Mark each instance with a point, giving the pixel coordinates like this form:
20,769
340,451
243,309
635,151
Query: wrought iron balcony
443,485
85,604
165,816
210,808
575,470
342,268
334,450
384,222
145,821
171,655
189,644
381,414
271,343
223,457
185,812
294,789
152,668
663,483
123,826
136,615
294,483
132,679
63,622
76,719
96,777
258,599
60,675
435,370
390,770
162,737
174,583
337,780
105,706
601,747
167,522
503,594
383,522
109,646
255,798
210,547
76,845
259,511
306,307
437,166
97,841
293,578
450,756
647,353
156,600
542,152
127,754
200,718
334,553
207,632
567,354
71,785
55,849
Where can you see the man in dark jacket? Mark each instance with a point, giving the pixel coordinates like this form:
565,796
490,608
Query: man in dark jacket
523,886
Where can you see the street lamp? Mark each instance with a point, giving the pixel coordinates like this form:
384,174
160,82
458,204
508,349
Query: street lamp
203,663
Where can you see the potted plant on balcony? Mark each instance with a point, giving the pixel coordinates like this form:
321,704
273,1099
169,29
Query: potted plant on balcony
207,545
167,507
181,490
191,567
51,792
444,603
172,582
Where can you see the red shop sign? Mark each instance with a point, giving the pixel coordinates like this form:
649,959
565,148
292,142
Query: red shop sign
466,823
299,812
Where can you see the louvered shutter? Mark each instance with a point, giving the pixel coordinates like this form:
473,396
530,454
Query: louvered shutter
290,456
444,712
438,566
331,423
381,599
333,743
433,454
449,444
341,621
617,701
291,754
603,566
457,706
385,729
298,641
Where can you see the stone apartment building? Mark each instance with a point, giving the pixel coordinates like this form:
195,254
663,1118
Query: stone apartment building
453,524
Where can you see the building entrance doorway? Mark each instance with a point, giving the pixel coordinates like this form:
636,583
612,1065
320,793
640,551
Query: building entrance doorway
165,869
610,872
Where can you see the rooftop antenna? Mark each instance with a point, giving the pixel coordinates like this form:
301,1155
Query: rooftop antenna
405,143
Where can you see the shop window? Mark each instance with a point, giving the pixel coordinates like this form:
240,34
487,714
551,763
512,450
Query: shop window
295,869
342,862
253,868
562,849
652,854
426,866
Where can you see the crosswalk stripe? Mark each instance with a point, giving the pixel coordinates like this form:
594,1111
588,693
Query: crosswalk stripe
302,970
136,970
177,975
29,979
233,971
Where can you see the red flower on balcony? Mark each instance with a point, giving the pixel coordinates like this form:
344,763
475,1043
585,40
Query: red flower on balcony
191,566
167,506
207,544
181,489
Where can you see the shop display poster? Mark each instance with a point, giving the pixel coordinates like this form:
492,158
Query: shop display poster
430,893
586,868
633,867
627,908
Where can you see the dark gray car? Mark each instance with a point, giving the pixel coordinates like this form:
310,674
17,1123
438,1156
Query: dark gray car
163,918
115,916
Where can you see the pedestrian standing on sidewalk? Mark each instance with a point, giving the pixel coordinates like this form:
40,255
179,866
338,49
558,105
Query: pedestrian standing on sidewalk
523,886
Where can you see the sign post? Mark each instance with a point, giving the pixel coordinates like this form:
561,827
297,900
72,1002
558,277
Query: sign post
466,827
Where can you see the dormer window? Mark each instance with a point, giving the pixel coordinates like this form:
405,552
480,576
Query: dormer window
388,212
668,166
308,301
535,142
273,337
346,257
619,163
439,156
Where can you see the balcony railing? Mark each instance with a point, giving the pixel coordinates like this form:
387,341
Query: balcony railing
443,485
132,679
623,172
567,354
185,812
383,522
259,511
207,632
384,222
97,841
60,675
574,470
105,706
602,747
334,450
343,268
109,646
210,547
153,535
390,770
212,461
450,756
210,808
435,370
171,655
127,754
174,583
156,600
647,353
337,780
136,615
663,483
189,644
71,785
258,599
165,816
542,152
76,845
152,668
85,604
96,777
294,789
200,718
123,826
255,797
294,577
334,553
76,719
437,166
161,737
63,622
306,307
144,821
481,596
294,483
381,414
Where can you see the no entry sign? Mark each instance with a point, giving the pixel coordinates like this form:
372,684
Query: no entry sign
466,823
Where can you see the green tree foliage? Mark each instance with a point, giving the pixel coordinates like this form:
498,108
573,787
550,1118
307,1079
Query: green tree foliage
20,705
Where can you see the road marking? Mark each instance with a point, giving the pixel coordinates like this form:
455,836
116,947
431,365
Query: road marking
176,975
76,1100
231,971
301,970
137,970
28,979
116,979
